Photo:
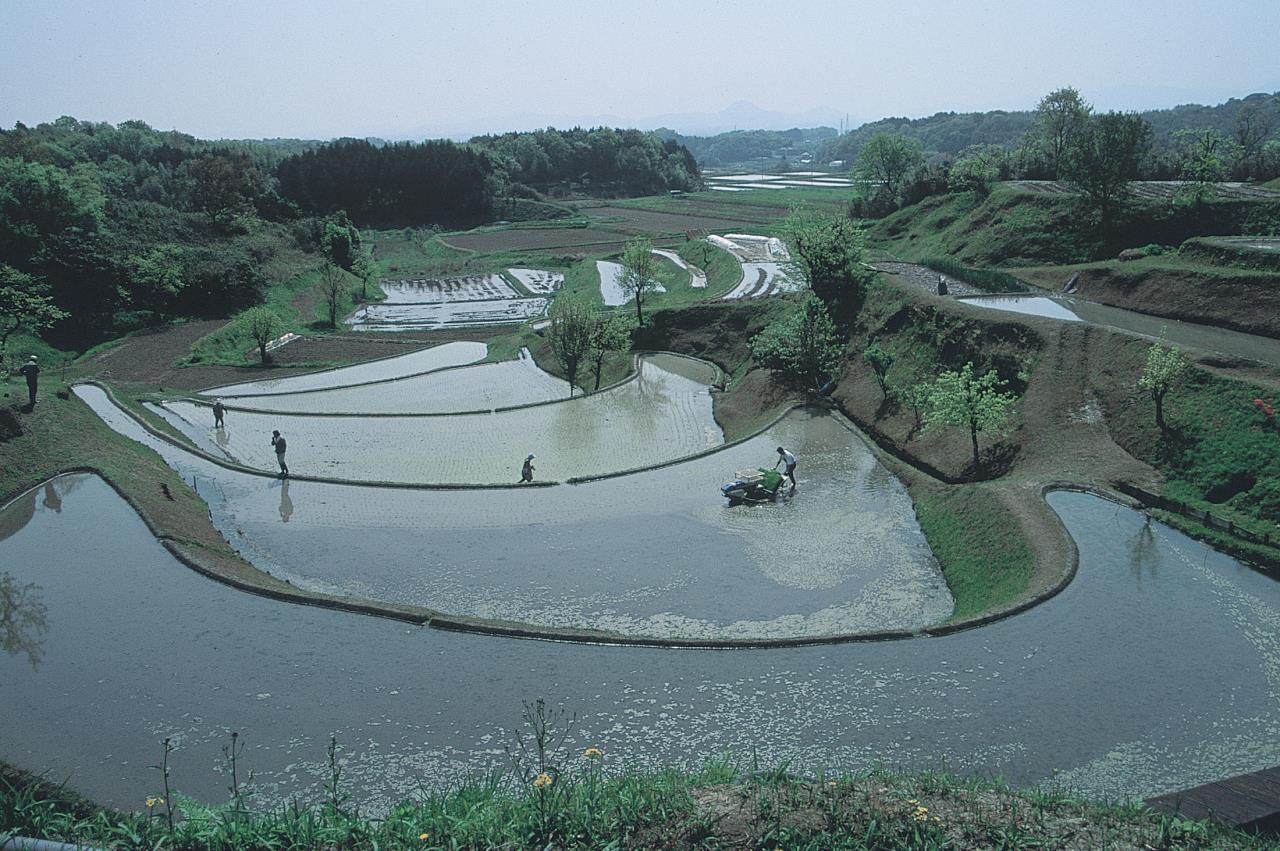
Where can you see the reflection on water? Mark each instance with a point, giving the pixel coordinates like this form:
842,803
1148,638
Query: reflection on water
52,499
286,504
23,619
1144,554
1032,305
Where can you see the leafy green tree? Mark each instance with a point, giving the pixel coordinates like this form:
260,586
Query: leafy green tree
1165,365
963,400
880,359
262,326
1059,118
913,393
611,332
156,277
573,321
827,252
639,273
976,168
1103,157
803,349
24,303
334,288
365,269
1206,157
889,162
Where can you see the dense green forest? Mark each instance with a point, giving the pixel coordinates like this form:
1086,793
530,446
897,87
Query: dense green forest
119,227
602,161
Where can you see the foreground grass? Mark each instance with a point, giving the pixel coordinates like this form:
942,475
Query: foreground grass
718,806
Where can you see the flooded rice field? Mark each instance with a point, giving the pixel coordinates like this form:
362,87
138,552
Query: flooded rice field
1189,335
488,287
415,363
1156,669
611,290
481,387
425,316
664,413
658,554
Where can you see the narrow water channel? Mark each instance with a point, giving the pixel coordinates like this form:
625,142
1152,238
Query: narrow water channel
1158,668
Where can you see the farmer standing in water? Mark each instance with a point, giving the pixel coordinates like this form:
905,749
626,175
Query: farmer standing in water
785,457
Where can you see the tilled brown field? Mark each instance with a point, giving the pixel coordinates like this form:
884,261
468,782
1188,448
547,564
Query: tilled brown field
533,239
654,221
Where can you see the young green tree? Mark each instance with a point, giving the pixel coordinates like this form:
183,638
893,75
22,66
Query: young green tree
963,400
879,359
24,303
803,349
262,326
913,393
334,288
889,162
572,323
639,272
1205,157
827,252
365,270
1060,116
1165,365
611,332
1103,157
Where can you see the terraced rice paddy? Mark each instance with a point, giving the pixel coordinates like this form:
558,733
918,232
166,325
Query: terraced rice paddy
662,414
385,316
763,261
537,280
611,289
1045,697
416,363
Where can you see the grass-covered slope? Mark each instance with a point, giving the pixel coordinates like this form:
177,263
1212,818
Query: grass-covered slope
1013,228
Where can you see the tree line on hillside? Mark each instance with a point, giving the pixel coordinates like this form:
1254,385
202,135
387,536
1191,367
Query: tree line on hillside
1098,153
1249,122
114,227
743,146
602,161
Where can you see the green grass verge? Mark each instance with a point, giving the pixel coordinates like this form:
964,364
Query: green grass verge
717,806
978,544
988,280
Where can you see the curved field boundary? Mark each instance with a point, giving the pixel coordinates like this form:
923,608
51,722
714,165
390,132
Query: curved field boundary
437,620
630,376
240,468
209,391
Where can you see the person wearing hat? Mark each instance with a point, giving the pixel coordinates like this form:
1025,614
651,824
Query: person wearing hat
526,472
31,371
279,444
219,411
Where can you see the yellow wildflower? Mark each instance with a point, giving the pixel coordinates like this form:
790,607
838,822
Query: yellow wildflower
593,753
913,801
423,837
154,800
542,780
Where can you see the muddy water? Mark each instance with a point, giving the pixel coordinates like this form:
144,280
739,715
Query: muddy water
1158,668
437,357
473,388
659,416
1184,334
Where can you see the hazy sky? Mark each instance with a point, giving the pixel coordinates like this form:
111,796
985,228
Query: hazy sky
318,69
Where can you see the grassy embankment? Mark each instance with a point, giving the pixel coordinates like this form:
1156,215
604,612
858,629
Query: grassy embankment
1013,228
588,806
980,546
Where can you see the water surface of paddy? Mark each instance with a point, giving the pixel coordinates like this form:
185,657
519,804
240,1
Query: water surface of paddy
1158,668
